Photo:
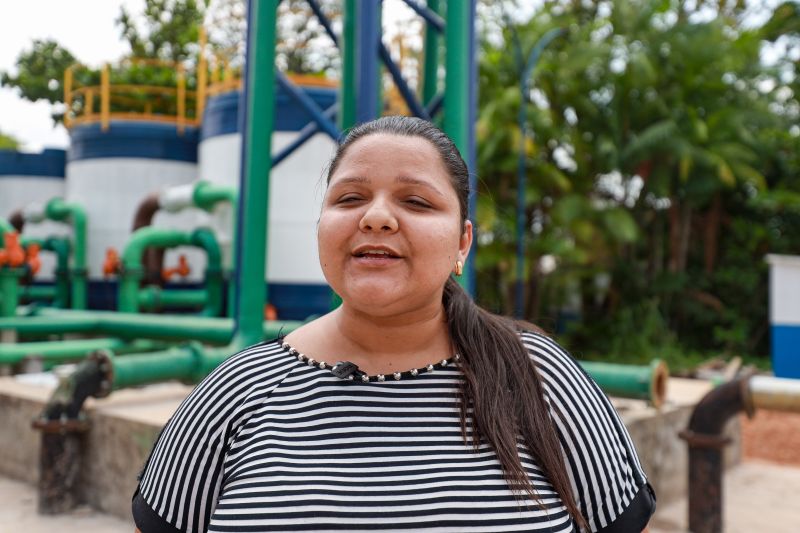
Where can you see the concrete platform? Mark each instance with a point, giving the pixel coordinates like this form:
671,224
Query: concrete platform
125,425
757,496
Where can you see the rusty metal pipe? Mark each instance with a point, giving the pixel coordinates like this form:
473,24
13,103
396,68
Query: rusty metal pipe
705,441
153,257
17,219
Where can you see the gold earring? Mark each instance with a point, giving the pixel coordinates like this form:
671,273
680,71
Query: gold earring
459,268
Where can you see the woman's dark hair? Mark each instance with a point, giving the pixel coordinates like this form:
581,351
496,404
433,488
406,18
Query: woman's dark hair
502,384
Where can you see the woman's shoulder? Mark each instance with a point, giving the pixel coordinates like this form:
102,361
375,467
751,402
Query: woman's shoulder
243,379
545,350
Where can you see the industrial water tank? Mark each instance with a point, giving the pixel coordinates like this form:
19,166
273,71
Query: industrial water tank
32,179
296,285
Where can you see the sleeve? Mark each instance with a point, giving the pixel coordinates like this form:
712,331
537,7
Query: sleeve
180,483
607,479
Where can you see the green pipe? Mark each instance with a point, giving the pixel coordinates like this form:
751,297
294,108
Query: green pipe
11,354
39,326
61,247
132,269
48,321
251,291
205,239
631,381
153,298
9,290
207,195
431,65
133,347
57,209
37,292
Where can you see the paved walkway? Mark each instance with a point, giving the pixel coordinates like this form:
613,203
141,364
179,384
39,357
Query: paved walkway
758,497
18,514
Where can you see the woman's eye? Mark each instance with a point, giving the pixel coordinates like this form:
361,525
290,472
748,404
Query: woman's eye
417,202
348,199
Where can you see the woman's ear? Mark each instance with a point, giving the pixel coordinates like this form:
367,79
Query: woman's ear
465,241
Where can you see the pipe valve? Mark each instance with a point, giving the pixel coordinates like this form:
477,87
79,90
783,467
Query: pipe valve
182,269
112,264
12,253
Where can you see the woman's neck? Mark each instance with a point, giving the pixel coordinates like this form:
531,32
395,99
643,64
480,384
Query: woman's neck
378,345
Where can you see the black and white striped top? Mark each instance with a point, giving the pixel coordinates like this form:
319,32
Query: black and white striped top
269,443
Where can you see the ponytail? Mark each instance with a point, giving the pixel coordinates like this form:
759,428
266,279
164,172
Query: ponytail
504,389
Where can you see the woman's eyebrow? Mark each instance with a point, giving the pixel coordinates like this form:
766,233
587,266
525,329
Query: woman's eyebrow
420,183
351,179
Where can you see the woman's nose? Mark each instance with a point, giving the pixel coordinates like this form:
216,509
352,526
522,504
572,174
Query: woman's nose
378,217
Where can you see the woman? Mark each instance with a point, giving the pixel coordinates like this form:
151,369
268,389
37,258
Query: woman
408,407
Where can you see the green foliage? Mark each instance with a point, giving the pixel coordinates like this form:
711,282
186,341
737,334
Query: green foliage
664,167
8,142
40,72
167,29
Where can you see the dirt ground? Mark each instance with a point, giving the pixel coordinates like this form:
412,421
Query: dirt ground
761,494
772,436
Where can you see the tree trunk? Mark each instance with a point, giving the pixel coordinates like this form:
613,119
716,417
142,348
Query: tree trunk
685,234
674,234
533,296
711,240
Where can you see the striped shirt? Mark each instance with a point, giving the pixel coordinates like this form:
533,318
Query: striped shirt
268,443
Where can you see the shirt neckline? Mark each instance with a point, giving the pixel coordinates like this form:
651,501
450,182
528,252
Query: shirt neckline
360,376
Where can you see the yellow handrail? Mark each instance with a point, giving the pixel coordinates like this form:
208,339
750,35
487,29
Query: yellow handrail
105,98
179,104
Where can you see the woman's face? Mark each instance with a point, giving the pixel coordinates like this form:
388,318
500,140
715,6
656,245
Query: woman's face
390,231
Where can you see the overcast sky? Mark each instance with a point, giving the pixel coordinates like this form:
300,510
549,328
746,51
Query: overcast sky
85,27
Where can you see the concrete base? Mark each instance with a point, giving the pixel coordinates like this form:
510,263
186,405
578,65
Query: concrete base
125,425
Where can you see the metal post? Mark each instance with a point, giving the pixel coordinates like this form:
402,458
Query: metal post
368,28
459,123
253,210
347,91
430,75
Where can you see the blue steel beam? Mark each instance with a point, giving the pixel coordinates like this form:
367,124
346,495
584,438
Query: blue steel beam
435,105
317,114
430,16
305,134
368,24
323,20
402,86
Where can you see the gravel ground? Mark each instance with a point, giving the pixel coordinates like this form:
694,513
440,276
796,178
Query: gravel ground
772,436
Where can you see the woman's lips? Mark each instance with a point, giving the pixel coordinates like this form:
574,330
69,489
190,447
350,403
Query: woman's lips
375,260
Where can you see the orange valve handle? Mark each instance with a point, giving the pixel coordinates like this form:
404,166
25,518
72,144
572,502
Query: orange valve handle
111,265
15,255
182,269
33,260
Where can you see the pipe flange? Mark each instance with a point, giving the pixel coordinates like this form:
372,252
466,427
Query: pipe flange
61,426
106,366
704,440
